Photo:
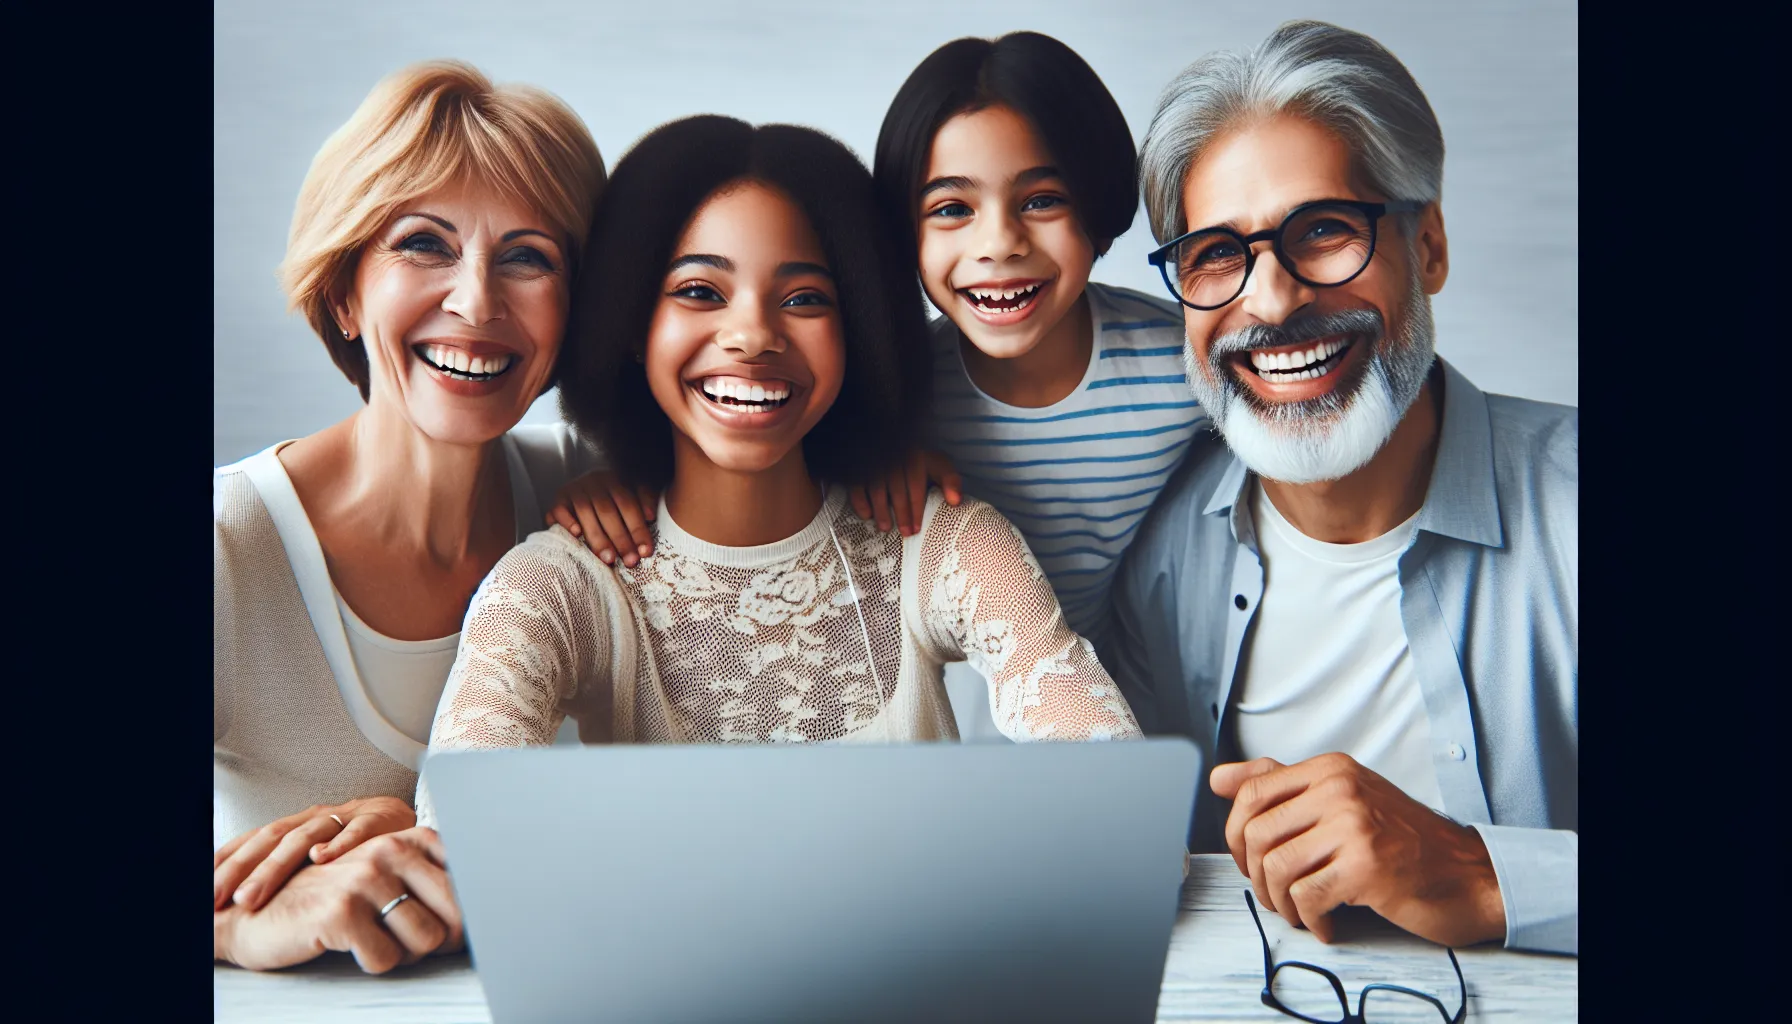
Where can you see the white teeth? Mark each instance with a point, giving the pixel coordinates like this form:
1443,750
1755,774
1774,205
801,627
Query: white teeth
1005,295
752,394
1277,362
458,362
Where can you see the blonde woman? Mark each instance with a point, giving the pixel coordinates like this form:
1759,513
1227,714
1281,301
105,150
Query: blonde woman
432,249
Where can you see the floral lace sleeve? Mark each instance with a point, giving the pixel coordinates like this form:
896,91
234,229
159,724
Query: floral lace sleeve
983,595
539,643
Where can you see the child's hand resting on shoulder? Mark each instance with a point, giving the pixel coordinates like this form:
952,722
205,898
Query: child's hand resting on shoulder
904,492
608,515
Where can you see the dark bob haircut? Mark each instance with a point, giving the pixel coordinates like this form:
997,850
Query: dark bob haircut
1045,82
652,195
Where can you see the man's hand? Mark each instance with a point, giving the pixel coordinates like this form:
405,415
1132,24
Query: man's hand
901,497
336,906
1327,832
607,515
249,869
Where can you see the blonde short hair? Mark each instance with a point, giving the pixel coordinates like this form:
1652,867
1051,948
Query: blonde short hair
423,128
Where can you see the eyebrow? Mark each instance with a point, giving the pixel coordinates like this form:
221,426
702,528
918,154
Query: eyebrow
1036,174
508,235
1029,176
723,263
702,259
796,267
955,181
430,216
520,232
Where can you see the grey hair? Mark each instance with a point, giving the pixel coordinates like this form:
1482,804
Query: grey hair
1343,81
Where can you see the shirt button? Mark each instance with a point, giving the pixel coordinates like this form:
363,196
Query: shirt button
1456,752
1214,710
1240,602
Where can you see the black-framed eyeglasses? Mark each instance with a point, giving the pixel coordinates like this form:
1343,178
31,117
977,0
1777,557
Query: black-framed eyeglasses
1323,244
1315,994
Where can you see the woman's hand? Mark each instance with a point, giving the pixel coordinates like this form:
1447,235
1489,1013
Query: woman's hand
904,492
607,515
252,867
337,906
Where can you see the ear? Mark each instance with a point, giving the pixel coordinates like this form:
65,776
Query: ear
1432,249
344,315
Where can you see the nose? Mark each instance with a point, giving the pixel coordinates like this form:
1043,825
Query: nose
998,235
1271,294
472,297
747,331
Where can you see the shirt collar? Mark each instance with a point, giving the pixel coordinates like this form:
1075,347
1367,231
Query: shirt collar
1463,499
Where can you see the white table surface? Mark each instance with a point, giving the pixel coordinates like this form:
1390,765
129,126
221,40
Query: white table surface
1214,972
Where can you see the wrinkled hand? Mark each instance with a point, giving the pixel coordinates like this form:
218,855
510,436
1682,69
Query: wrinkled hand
253,866
336,906
901,497
607,515
1326,832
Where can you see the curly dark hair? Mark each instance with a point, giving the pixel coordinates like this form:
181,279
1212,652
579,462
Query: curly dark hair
653,193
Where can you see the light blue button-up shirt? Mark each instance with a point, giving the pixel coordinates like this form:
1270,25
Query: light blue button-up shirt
1489,597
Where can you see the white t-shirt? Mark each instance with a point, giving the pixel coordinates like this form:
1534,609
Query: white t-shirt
403,678
1329,668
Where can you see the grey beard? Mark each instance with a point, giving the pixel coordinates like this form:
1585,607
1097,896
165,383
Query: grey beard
1332,436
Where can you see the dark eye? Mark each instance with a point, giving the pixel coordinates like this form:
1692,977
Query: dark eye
1217,252
809,298
952,211
1327,228
424,244
1042,203
528,256
697,292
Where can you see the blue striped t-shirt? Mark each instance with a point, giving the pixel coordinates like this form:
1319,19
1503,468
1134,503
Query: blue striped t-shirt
1076,477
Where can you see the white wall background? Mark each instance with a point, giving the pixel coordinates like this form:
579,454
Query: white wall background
1502,78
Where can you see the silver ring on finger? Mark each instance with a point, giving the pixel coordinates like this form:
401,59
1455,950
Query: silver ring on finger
396,900
338,821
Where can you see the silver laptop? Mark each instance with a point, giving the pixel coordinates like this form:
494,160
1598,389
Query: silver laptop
926,882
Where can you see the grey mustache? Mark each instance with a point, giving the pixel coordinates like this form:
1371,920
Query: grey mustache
1298,330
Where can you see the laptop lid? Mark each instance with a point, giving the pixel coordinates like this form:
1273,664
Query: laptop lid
786,883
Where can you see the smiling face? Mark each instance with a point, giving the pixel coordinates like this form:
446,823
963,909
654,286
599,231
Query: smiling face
1002,251
745,352
461,302
1307,383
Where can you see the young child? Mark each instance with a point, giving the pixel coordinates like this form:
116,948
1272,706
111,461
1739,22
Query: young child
1061,401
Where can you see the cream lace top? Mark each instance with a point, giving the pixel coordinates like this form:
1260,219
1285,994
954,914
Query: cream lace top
839,633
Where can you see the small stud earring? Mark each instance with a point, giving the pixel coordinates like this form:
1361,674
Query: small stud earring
345,334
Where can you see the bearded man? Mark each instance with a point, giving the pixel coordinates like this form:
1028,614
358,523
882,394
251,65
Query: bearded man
1362,605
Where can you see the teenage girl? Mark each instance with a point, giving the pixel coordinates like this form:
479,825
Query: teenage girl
750,345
